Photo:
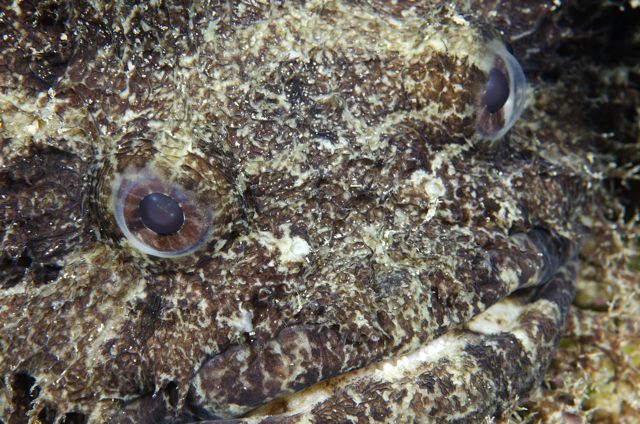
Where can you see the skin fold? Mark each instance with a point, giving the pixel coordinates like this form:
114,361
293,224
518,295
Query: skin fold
368,255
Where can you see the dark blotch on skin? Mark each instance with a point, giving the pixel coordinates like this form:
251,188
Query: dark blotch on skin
41,216
496,92
161,214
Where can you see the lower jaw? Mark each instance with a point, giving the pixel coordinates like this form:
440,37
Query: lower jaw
476,371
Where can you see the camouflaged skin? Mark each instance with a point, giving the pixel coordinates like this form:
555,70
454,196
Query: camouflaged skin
358,215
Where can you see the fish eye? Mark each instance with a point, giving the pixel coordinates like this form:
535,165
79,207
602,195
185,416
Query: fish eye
503,97
157,217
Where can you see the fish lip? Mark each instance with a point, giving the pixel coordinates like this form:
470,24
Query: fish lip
553,252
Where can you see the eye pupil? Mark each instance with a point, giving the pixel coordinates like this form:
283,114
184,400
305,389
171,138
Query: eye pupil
496,92
161,214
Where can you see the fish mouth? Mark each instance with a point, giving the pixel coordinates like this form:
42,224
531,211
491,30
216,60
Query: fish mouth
490,360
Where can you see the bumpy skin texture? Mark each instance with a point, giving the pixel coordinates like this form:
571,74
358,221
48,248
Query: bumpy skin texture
358,216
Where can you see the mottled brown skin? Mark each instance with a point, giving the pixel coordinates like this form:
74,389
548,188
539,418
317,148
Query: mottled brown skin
361,155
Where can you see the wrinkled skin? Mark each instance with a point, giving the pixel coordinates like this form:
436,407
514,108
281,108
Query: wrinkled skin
359,220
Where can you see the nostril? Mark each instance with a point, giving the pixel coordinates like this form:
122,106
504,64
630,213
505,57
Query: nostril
74,418
25,391
24,261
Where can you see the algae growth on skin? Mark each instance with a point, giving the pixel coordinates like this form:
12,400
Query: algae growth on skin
312,211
